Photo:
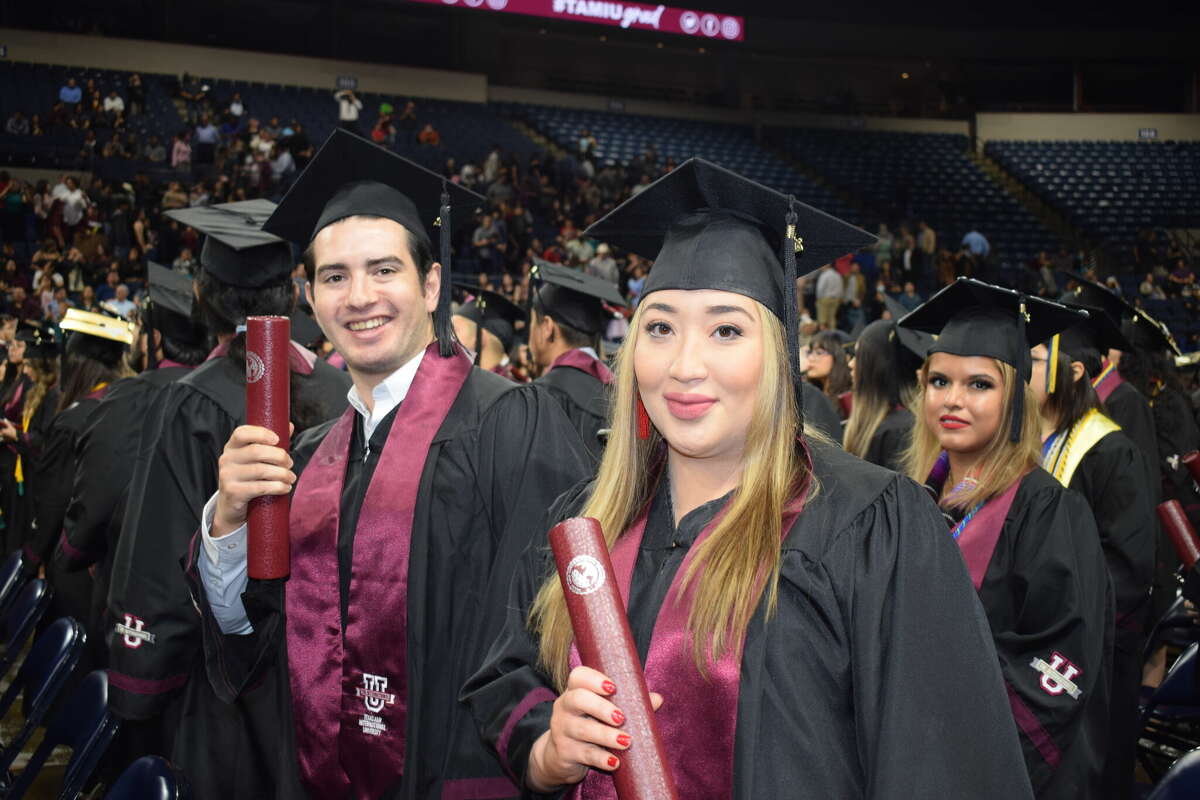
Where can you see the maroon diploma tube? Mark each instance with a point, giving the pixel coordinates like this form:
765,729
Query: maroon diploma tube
606,644
1192,462
1183,536
267,405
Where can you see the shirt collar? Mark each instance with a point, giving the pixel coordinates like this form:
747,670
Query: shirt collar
386,395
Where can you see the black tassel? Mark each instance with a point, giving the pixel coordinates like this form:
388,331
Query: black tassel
480,307
441,316
148,329
1024,373
791,314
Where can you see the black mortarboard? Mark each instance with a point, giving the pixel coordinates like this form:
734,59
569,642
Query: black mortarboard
708,228
39,342
1090,293
350,176
495,312
236,248
573,297
1098,332
169,304
914,344
1144,332
973,318
101,337
305,329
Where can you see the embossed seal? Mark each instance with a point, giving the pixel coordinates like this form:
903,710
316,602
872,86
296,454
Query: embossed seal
255,368
584,574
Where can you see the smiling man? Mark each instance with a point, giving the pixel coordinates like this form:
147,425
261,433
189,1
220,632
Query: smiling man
408,515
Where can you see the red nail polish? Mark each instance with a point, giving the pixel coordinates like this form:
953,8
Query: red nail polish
624,740
618,718
609,687
612,762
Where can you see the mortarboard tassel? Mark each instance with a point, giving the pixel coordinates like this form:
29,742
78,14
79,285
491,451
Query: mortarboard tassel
441,316
792,317
481,307
148,329
1023,372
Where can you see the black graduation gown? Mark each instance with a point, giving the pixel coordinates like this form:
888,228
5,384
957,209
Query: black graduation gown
891,439
1046,593
819,413
10,532
29,500
1110,477
175,473
875,678
105,455
1129,408
56,475
1178,435
502,455
584,398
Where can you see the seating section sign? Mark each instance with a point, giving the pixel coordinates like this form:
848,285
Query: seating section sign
642,16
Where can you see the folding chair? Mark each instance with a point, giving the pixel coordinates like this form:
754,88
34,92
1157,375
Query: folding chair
84,724
150,778
21,618
1182,781
11,579
1171,717
39,681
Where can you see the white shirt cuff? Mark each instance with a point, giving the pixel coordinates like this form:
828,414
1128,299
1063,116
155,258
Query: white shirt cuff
227,549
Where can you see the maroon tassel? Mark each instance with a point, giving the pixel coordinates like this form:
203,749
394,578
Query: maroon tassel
643,420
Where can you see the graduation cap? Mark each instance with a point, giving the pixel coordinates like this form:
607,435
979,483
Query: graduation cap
1144,332
914,345
305,329
100,337
169,305
1098,332
706,227
1090,293
973,318
236,248
351,176
491,311
573,297
39,342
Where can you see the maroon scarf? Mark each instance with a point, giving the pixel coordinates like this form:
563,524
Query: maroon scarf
1108,380
349,693
980,535
585,363
694,703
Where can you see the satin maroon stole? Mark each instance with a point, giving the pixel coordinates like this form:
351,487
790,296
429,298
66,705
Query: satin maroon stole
585,363
349,693
1108,380
693,702
978,539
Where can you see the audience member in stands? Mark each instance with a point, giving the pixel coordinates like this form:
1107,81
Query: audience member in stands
137,95
1150,290
121,304
852,298
910,299
174,196
429,136
349,107
70,94
194,94
75,203
883,249
926,250
603,265
112,278
1180,277
181,152
236,107
830,289
407,118
205,139
977,243
17,125
154,151
114,105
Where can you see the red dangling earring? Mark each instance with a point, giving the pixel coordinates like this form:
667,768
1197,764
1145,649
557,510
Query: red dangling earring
643,420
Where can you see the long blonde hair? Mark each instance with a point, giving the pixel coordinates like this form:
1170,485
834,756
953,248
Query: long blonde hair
743,549
1003,461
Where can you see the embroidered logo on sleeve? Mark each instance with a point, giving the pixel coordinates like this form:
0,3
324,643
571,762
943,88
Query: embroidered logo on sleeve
133,632
1058,676
375,697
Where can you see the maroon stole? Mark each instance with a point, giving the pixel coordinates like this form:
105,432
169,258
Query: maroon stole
981,533
694,703
1108,380
349,693
585,363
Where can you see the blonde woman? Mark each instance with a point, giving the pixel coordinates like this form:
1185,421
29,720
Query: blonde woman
1030,545
781,593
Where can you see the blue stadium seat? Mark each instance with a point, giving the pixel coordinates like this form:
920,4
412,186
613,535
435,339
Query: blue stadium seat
12,578
21,618
149,778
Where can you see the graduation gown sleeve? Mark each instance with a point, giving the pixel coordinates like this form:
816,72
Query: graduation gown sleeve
1128,408
891,439
1049,602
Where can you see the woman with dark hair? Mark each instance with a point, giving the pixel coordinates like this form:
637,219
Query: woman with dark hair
28,415
778,589
1030,545
827,367
884,368
1086,451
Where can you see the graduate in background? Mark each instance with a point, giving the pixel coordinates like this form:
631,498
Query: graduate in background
1031,545
409,514
28,415
491,341
567,318
1088,452
800,612
96,349
884,367
154,643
